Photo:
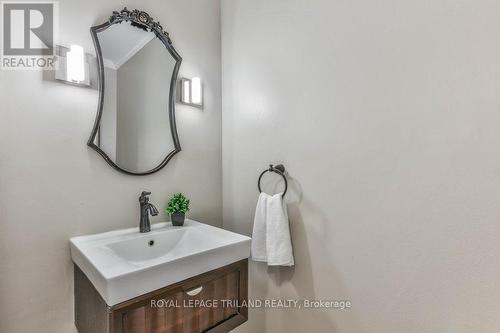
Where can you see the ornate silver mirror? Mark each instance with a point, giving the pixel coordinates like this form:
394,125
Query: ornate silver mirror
135,130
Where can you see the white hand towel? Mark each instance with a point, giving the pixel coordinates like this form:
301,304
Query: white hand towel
271,240
278,240
258,248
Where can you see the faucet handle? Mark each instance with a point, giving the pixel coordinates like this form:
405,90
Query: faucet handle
144,197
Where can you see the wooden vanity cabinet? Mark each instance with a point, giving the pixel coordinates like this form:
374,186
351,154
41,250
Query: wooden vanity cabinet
213,302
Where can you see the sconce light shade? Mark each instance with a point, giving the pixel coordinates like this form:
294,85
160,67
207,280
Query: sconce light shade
186,91
191,92
73,66
196,90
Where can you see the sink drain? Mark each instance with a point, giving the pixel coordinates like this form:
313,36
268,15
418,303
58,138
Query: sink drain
151,242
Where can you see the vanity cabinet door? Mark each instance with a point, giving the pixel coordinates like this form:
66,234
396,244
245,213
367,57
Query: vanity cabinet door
211,302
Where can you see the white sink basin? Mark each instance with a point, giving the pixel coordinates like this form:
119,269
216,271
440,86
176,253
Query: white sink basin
124,264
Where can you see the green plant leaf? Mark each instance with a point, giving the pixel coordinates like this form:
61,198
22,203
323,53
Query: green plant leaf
178,203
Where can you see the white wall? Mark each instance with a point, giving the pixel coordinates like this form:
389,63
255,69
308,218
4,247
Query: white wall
52,187
387,115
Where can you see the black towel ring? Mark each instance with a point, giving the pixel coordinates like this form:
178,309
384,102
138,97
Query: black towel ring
280,170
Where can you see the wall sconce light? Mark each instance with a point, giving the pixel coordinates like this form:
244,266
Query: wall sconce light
191,92
73,66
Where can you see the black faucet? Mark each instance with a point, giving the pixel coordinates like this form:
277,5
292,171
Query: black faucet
146,209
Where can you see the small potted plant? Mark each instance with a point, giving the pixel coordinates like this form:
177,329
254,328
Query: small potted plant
177,207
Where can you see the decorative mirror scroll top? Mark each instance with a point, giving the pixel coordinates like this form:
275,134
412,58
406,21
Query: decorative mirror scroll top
141,19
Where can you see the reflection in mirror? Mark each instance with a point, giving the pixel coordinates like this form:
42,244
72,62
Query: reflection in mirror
136,133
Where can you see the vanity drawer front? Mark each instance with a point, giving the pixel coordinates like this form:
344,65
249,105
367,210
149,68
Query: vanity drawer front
211,302
205,303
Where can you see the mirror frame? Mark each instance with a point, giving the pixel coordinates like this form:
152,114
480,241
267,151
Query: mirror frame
141,20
